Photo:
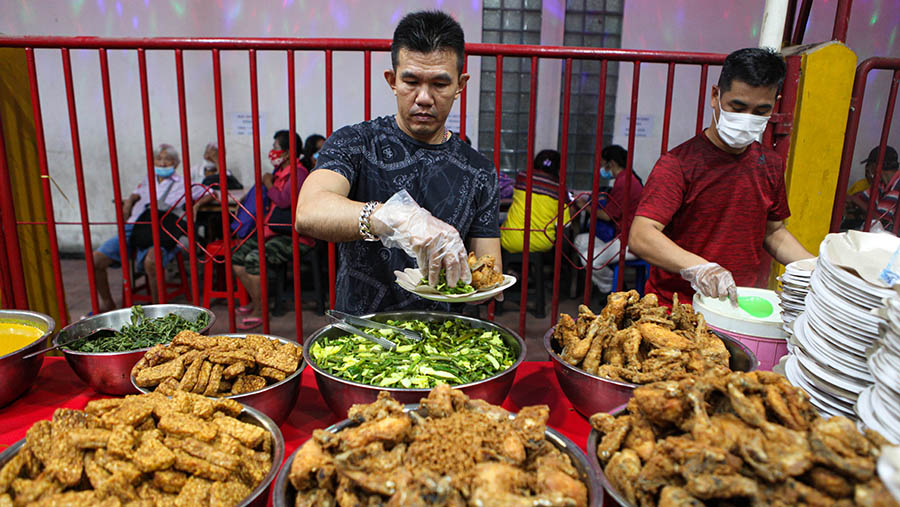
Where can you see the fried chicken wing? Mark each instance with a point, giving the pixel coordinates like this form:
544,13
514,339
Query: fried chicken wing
623,470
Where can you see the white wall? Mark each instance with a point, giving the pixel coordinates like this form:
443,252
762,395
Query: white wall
721,27
222,18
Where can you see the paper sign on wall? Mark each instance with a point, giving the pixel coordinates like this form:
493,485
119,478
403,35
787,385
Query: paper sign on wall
643,126
241,124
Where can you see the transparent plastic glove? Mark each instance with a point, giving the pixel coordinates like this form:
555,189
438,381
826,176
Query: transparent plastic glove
711,280
435,244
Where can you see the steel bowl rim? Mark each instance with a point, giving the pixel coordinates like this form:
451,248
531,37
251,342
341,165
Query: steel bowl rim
239,397
65,351
266,423
548,346
51,327
593,483
424,390
594,462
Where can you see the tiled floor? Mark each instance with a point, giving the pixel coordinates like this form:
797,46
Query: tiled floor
79,302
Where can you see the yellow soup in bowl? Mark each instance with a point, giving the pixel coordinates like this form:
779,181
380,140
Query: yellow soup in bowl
15,335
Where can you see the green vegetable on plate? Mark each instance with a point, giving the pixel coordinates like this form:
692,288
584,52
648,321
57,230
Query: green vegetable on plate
453,352
141,333
444,288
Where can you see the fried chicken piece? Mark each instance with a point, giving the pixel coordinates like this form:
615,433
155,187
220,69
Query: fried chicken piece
661,337
616,303
614,430
311,466
709,486
829,482
622,471
486,275
585,317
662,403
673,496
552,482
388,429
873,494
315,498
530,422
657,472
683,314
440,402
836,443
641,437
499,484
599,332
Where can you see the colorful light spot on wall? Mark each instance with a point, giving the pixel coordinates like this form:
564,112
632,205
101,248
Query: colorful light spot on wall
102,6
76,6
177,7
892,37
119,8
134,22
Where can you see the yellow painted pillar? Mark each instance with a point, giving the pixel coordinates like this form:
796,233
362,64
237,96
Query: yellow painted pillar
817,139
22,160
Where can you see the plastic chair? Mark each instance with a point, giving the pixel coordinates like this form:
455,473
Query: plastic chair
283,272
141,293
217,249
641,274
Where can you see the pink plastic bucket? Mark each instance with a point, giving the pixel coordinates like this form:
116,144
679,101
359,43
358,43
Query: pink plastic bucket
768,350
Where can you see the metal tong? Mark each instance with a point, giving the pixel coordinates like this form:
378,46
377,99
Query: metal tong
349,323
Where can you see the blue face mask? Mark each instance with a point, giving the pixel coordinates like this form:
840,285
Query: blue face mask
316,156
606,174
164,172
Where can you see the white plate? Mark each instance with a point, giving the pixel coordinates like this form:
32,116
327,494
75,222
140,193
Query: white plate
866,410
410,277
827,378
796,377
801,266
824,354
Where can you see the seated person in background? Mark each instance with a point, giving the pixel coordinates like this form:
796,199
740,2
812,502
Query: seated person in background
313,144
277,237
544,207
206,173
859,192
613,212
169,192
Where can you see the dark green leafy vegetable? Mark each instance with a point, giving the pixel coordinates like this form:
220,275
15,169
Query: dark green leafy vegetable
444,288
453,352
141,333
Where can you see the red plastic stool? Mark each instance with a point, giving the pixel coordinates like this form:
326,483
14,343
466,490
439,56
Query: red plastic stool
217,249
141,293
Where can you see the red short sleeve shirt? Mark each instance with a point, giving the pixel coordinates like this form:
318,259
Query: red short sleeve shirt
716,205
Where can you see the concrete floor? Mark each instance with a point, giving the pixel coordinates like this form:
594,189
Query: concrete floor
79,302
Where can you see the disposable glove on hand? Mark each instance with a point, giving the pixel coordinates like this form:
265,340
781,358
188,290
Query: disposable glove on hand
711,280
401,223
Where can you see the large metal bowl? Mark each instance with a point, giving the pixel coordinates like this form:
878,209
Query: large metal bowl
340,394
276,400
17,374
110,372
259,495
590,394
594,461
283,493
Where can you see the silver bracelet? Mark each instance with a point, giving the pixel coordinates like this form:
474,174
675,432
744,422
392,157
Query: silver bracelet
365,221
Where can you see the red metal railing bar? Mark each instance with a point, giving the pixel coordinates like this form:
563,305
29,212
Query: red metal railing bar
667,115
79,178
151,178
329,126
19,294
841,20
367,85
186,166
780,136
529,175
701,98
462,104
295,241
885,131
114,169
45,188
853,118
498,110
6,291
330,45
595,183
257,174
802,19
223,189
629,169
562,191
888,114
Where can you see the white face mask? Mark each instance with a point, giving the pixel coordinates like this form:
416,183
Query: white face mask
739,129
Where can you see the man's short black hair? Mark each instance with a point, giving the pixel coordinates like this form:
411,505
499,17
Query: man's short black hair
427,32
616,153
284,138
754,66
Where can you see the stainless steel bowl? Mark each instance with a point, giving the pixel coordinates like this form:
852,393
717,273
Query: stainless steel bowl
276,400
19,374
283,492
593,440
590,394
110,372
259,495
340,394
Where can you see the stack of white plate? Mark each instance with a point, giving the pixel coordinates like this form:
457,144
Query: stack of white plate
794,288
878,406
830,338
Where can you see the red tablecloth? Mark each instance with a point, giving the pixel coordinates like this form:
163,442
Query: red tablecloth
58,386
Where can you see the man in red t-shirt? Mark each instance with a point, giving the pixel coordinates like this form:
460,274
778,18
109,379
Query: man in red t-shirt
714,206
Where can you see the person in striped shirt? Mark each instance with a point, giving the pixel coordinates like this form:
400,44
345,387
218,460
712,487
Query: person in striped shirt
544,206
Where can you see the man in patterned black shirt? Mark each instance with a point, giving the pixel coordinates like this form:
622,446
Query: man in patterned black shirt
401,191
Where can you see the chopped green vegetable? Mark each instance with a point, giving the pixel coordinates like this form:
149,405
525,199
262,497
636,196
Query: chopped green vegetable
453,352
444,288
141,333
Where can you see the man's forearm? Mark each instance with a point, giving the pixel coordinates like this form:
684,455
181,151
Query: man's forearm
650,244
784,247
328,216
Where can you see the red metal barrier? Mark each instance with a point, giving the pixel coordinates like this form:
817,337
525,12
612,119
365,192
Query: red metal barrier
856,102
328,46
